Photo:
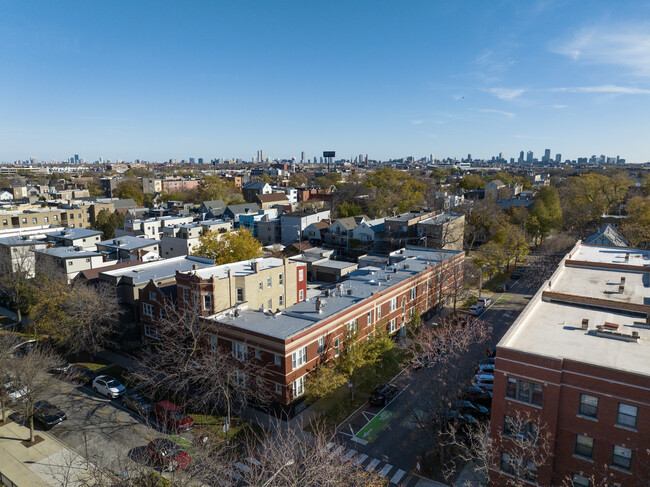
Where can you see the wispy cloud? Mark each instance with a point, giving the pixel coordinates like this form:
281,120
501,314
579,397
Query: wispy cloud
507,93
498,112
417,122
605,89
625,45
558,106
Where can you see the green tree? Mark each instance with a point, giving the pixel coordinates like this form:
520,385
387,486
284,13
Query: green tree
229,247
393,191
472,182
214,188
328,179
636,226
323,382
129,190
107,222
347,209
513,241
545,215
298,179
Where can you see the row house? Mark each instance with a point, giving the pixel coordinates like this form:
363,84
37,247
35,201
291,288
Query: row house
292,340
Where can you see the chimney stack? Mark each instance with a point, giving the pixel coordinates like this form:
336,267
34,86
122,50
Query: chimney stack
319,305
195,267
254,266
585,323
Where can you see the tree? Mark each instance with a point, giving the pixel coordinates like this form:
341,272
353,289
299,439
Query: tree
347,209
30,373
8,344
298,179
636,226
482,222
214,188
322,382
545,215
187,361
513,242
129,190
17,268
224,248
106,222
472,182
81,317
392,191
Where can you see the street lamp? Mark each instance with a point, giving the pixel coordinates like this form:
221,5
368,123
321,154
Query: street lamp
268,482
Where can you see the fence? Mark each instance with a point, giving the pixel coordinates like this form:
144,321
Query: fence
5,482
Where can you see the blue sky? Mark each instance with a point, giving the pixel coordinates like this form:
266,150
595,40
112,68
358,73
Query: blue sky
154,80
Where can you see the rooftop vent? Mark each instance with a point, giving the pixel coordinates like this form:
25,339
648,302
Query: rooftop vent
585,323
349,292
627,256
622,279
195,266
621,288
237,313
318,304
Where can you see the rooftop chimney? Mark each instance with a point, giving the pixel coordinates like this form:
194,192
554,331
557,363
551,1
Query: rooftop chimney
195,267
627,256
319,305
585,323
621,288
622,279
254,266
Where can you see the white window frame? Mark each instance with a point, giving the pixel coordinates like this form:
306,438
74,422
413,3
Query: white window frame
301,295
258,354
278,389
280,279
301,274
239,376
379,312
207,302
298,358
277,359
321,345
414,293
337,347
239,351
280,300
393,304
299,386
352,327
269,282
148,332
393,325
628,414
369,318
239,293
147,309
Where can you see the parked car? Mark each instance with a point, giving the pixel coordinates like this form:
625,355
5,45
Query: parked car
489,360
14,390
108,386
516,275
485,381
502,288
476,310
48,415
485,368
137,402
485,302
475,410
381,395
168,454
477,395
79,374
520,268
172,416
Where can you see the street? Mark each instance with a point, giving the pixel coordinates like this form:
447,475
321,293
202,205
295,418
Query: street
395,436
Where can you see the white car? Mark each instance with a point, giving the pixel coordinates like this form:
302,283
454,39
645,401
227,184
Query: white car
108,386
14,391
476,309
485,302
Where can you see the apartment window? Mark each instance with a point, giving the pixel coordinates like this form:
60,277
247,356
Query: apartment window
24,220
152,296
239,351
301,295
337,347
280,279
261,286
580,481
71,216
414,292
321,345
352,327
584,446
588,406
148,332
185,291
45,219
34,221
55,218
299,358
403,306
626,415
240,294
379,312
281,300
524,391
278,389
214,343
258,354
393,325
516,428
147,309
4,222
393,304
622,457
277,360
269,304
299,386
301,274
239,377
162,314
207,302
369,318
268,282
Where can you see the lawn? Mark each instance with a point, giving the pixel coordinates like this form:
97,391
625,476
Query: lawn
96,365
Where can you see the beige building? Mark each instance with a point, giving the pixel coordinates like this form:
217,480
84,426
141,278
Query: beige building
444,231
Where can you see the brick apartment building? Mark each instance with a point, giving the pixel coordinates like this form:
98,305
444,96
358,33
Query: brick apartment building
291,341
576,361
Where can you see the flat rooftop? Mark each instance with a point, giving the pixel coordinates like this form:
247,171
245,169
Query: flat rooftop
74,233
359,286
159,269
128,242
242,268
554,329
67,252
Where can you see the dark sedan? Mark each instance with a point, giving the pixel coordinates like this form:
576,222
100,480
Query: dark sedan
48,415
478,396
138,402
475,410
381,395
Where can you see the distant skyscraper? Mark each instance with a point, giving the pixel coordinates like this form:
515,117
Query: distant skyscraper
521,157
200,160
315,160
366,158
260,156
558,157
547,155
529,157
76,158
302,156
192,160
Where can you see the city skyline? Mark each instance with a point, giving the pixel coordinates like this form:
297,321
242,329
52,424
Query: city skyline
129,82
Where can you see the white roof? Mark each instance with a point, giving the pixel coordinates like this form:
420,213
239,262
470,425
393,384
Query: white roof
241,268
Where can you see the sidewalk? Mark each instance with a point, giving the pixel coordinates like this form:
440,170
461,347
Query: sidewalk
48,463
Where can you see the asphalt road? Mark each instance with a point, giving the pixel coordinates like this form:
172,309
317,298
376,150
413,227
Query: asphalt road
402,439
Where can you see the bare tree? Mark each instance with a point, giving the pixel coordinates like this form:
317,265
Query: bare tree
17,269
289,457
188,361
524,447
30,374
8,344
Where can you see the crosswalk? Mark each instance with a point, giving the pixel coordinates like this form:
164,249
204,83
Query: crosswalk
396,476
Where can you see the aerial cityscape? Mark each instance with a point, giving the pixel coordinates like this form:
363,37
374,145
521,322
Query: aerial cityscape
325,244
